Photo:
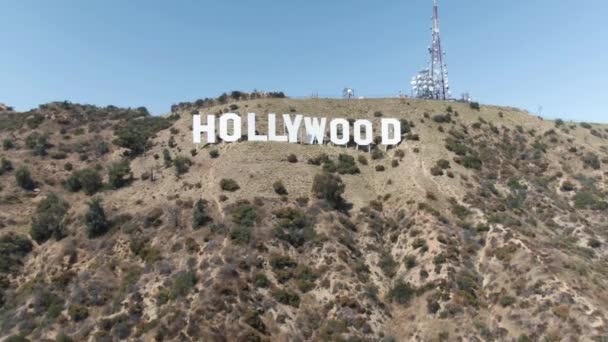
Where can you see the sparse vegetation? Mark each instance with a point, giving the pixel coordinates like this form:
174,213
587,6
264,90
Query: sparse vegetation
228,184
48,220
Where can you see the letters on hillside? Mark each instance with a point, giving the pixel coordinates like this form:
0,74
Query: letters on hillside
295,129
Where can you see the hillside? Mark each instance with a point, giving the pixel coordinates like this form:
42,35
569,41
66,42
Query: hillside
484,224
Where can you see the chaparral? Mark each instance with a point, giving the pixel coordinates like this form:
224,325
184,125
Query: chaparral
313,132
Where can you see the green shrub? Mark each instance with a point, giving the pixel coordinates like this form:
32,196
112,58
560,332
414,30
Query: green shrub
293,226
5,166
101,148
88,180
377,153
474,105
436,171
78,312
260,280
305,278
199,214
7,144
244,214
318,160
24,179
279,188
13,248
253,319
330,188
292,158
346,165
588,200
167,158
387,264
443,164
471,162
362,160
134,134
507,301
214,154
119,174
228,184
48,219
241,234
95,219
592,160
441,118
183,282
401,292
286,297
182,165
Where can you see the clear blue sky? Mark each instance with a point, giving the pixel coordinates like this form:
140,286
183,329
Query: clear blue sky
524,53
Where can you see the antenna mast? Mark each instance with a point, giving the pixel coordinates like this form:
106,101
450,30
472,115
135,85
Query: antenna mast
432,83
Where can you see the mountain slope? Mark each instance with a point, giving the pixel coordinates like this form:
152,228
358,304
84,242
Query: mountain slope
483,224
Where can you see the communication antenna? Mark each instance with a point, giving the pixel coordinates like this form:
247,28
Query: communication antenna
432,82
348,93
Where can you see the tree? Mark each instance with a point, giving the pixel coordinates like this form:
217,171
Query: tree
199,214
95,219
119,174
24,179
48,219
88,180
182,164
330,188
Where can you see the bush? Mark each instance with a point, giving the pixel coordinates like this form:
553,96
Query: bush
506,301
292,158
24,179
588,200
13,248
101,148
5,166
241,234
134,134
387,264
318,160
362,160
592,160
330,188
78,312
167,158
119,174
293,226
214,154
260,280
252,318
401,292
474,105
199,214
95,219
244,214
286,297
7,144
88,180
228,184
183,282
48,219
440,118
436,171
380,168
346,165
279,188
443,164
377,153
471,162
182,165
378,114
394,163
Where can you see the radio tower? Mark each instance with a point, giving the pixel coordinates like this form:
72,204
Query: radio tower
432,83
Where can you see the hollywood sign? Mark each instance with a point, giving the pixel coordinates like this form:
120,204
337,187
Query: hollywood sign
313,132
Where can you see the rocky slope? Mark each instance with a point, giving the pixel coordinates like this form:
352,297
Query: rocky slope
485,224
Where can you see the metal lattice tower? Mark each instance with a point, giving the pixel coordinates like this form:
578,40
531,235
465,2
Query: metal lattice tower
432,82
